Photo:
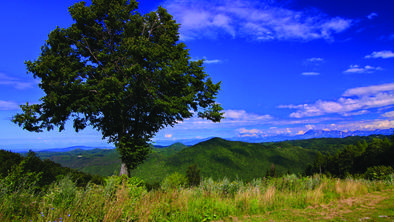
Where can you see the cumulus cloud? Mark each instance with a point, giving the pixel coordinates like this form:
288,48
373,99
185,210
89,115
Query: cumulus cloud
252,19
8,105
359,69
168,135
385,54
354,101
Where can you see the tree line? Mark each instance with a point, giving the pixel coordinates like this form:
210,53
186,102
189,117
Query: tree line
363,158
44,172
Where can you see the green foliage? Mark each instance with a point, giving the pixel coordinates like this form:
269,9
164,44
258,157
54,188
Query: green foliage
43,172
271,172
220,200
173,181
378,172
218,158
125,74
17,190
356,159
62,193
19,179
193,175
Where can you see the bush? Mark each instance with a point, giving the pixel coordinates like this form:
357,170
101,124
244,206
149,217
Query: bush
193,175
62,193
174,180
378,172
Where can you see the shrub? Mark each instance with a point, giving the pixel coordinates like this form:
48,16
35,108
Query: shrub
193,175
378,172
174,180
62,193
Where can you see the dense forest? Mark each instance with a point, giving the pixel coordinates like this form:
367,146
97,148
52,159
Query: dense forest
374,159
14,167
216,158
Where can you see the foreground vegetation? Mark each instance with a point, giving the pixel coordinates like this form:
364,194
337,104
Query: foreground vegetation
121,199
354,183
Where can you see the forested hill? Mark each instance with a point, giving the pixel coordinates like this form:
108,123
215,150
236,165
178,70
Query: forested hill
333,145
215,158
218,158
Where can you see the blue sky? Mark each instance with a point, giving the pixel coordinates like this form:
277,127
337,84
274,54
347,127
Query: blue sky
286,66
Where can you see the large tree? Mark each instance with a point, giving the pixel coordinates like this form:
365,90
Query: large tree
123,73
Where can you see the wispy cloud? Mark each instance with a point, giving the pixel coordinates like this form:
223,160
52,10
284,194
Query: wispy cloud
212,61
310,73
14,82
354,101
372,15
243,132
370,90
208,61
315,60
365,69
242,115
8,105
388,114
252,19
385,54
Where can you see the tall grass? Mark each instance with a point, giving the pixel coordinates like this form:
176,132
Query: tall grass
127,200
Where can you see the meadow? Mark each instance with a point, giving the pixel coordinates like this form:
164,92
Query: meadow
286,198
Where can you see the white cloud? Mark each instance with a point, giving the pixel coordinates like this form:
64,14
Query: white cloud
385,54
388,114
359,69
242,115
212,61
207,61
310,73
354,101
14,82
369,90
315,60
361,112
372,15
252,19
249,132
8,105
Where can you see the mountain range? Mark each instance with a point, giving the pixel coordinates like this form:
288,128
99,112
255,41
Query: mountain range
283,137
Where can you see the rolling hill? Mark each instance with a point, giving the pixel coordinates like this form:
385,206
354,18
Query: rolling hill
216,158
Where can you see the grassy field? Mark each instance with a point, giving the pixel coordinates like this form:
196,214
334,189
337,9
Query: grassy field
279,199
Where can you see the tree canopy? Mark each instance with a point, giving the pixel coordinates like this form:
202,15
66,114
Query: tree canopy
125,74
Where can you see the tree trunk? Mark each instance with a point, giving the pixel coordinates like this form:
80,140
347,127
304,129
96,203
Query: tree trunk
124,170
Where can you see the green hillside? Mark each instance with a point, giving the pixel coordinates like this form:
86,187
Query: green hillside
218,158
104,162
333,145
